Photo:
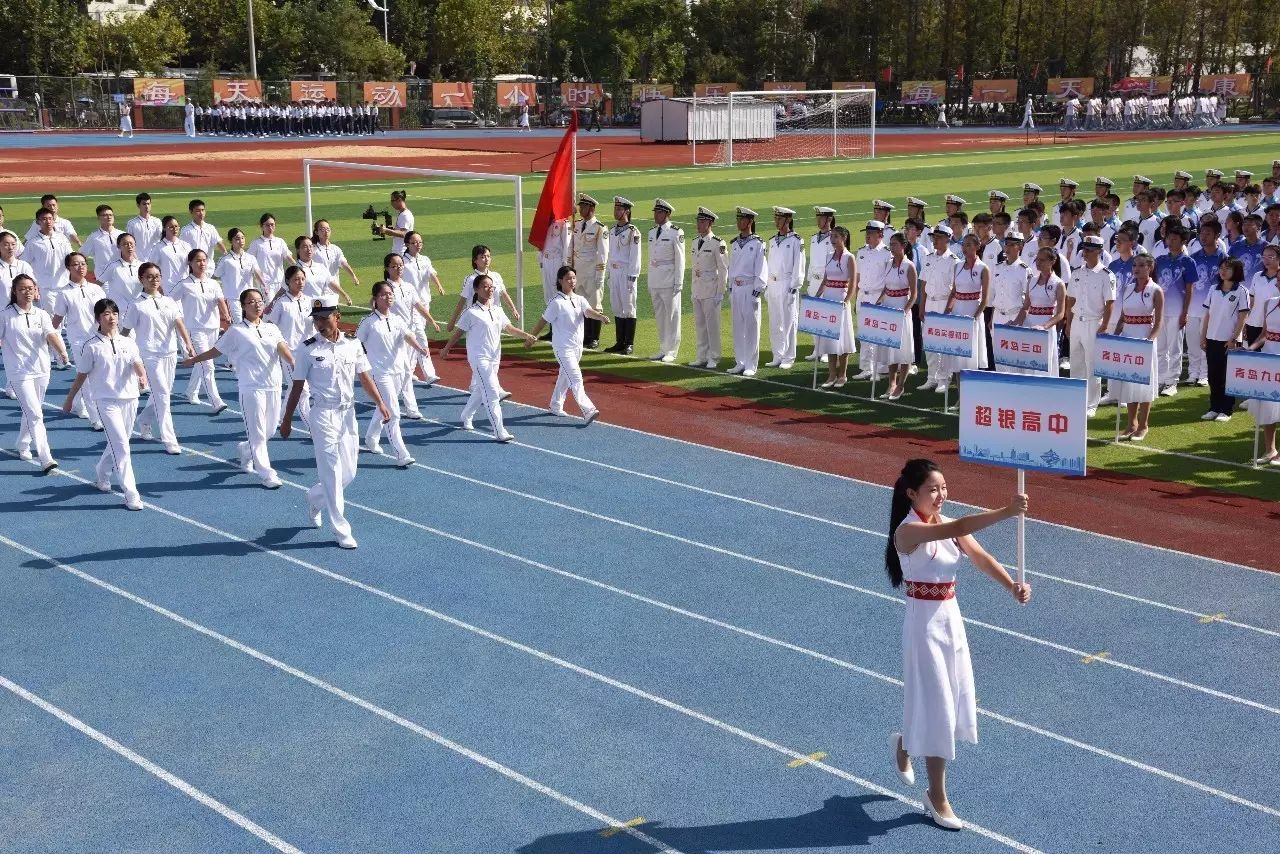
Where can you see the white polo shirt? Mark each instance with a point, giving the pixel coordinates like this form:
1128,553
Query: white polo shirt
111,363
332,256
154,323
60,226
203,236
318,278
565,313
24,339
483,325
1261,290
171,257
383,340
121,282
100,247
418,271
252,349
292,315
330,369
1222,311
270,254
468,284
47,256
10,270
74,304
199,301
404,220
146,233
235,273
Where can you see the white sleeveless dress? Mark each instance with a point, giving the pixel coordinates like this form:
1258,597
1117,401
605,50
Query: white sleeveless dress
1137,307
939,702
1266,411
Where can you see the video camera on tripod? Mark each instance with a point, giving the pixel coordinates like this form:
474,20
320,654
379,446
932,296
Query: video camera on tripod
375,227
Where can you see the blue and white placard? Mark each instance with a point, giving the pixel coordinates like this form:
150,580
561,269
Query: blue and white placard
820,317
881,325
948,334
1253,376
1023,421
1020,347
1126,359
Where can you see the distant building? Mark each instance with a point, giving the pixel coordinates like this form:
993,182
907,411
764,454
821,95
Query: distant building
100,10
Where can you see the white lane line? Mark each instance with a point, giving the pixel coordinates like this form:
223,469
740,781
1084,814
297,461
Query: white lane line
141,761
845,526
684,612
788,752
392,717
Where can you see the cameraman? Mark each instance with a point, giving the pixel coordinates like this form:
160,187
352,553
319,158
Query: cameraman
404,221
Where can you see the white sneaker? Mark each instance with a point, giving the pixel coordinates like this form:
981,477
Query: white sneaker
103,485
861,375
749,372
736,369
559,413
773,363
405,462
1209,416
506,438
430,381
25,456
1169,391
193,399
272,482
373,447
133,502
315,515
668,358
588,417
931,384
467,425
941,388
347,542
696,363
172,450
415,415
812,357
1222,416
657,357
1203,382
913,370
1106,400
1064,364
503,395
144,433
96,426
713,363
786,366
246,463
1091,411
11,394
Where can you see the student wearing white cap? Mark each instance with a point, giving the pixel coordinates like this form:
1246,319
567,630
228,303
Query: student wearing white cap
1212,177
997,202
588,253
1067,192
109,365
840,283
624,273
73,314
666,280
387,340
1091,295
26,337
327,365
873,269
566,315
786,274
204,310
1031,193
937,274
883,211
1010,285
819,252
748,278
710,274
155,322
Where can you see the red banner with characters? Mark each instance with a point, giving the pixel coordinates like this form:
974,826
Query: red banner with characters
517,94
1227,85
312,91
383,94
581,94
1066,88
714,90
447,93
995,91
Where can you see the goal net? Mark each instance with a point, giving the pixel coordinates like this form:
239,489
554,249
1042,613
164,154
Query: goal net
453,211
753,127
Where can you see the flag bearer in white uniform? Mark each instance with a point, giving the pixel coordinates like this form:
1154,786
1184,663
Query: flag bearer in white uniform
387,340
748,270
1010,281
819,254
939,703
327,365
786,275
204,311
589,254
1091,295
155,321
566,315
624,273
873,268
111,367
666,279
73,315
26,337
938,273
710,273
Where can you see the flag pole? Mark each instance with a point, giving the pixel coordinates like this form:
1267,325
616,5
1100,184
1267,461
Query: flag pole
1022,530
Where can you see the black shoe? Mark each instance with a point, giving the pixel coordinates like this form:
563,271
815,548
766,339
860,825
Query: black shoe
591,345
626,351
546,337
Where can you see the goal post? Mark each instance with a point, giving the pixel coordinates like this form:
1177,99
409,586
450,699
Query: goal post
517,205
765,126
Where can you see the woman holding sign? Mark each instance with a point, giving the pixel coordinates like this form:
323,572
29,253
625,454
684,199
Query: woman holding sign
900,289
1047,301
1141,315
839,282
1267,412
970,293
924,550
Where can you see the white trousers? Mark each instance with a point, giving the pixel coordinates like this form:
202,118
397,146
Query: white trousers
336,445
484,392
304,402
260,409
1169,351
549,280
590,285
937,371
83,404
30,393
622,294
117,423
706,324
423,359
189,128
1084,348
407,394
570,380
389,386
1005,318
784,319
744,315
1197,363
666,311
203,372
160,372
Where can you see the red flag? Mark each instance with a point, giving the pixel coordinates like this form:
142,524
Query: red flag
556,201
1188,69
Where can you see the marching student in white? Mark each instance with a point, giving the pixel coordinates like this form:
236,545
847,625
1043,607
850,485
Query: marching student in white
170,253
405,304
839,282
786,274
237,271
256,349
291,313
1091,295
748,271
100,245
387,339
484,324
588,252
1265,412
271,253
970,295
11,266
47,253
204,310
939,699
320,283
64,227
1010,286
819,253
710,275
110,366
1141,316
120,280
624,273
873,269
1047,302
566,315
155,321
666,279
327,365
329,253
26,337
938,273
419,272
199,233
900,292
73,314
145,228
481,262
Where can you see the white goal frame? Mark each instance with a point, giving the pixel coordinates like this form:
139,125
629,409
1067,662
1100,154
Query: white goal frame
517,202
729,98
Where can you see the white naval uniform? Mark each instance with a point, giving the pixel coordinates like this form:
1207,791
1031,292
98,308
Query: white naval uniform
748,271
939,703
171,257
74,304
405,308
565,314
199,301
389,361
786,275
819,255
966,295
710,274
24,338
589,254
329,368
666,283
553,256
146,234
873,267
624,269
270,254
235,274
483,325
1136,307
252,348
153,320
111,363
1009,285
1091,289
418,271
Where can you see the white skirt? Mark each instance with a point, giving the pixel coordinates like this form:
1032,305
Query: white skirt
978,361
845,344
1263,411
939,702
1136,392
906,354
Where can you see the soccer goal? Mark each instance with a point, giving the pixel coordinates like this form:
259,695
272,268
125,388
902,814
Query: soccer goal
442,199
754,127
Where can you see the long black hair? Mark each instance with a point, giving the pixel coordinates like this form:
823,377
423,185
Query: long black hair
913,476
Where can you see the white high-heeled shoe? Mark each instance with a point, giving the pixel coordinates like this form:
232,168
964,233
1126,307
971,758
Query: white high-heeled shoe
952,823
908,776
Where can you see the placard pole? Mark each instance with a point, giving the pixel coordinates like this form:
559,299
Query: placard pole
1119,406
1256,428
816,360
1022,530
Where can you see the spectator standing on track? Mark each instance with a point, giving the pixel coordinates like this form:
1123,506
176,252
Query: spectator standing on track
748,271
624,274
839,282
155,321
387,339
939,700
328,364
109,364
189,119
710,273
26,337
1226,311
588,252
1142,313
666,280
566,314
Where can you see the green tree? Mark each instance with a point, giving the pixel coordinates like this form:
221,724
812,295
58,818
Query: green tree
43,37
145,43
